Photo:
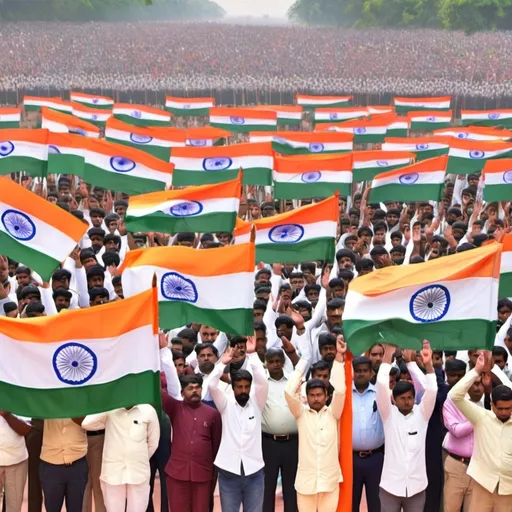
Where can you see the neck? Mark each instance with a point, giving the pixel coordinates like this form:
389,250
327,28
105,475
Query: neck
362,387
277,376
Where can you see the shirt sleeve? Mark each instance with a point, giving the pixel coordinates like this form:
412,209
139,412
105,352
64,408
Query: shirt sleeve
452,421
340,389
95,421
458,393
383,392
81,287
502,376
417,376
218,395
260,381
153,432
171,375
292,390
428,401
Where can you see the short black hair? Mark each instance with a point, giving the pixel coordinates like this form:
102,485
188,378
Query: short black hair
188,333
361,360
454,365
177,354
314,384
500,351
235,340
345,273
403,387
239,376
309,265
450,353
501,393
34,307
346,253
365,264
326,339
273,352
260,326
320,366
310,287
284,320
203,346
186,380
259,304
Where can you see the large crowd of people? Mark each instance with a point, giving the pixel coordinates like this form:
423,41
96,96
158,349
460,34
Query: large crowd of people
202,56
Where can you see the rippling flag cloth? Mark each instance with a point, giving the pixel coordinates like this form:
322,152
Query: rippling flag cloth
24,150
422,147
34,231
398,126
308,177
501,117
405,105
429,119
497,176
156,141
215,164
92,101
82,361
58,122
403,305
10,117
141,115
243,120
367,164
203,209
219,294
474,133
303,234
364,130
205,136
287,115
423,181
470,156
505,289
96,116
186,107
337,115
309,102
34,103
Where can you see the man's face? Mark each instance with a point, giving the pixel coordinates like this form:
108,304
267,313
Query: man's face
261,342
508,343
111,245
437,360
192,394
312,296
397,257
305,314
503,314
392,380
350,244
223,238
258,315
345,262
395,242
275,367
379,238
392,219
502,409
263,296
239,351
268,212
112,226
121,211
297,283
208,334
32,297
206,360
473,356
405,402
98,301
89,263
61,283
96,220
317,398
23,279
179,364
285,298
476,391
96,281
453,377
376,356
62,303
242,390
499,360
328,353
255,211
365,237
12,269
96,242
118,288
429,209
284,330
338,292
458,234
263,278
362,375
334,315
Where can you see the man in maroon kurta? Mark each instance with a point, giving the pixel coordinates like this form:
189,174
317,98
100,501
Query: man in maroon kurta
196,433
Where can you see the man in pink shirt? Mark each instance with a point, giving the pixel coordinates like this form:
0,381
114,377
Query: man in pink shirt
458,446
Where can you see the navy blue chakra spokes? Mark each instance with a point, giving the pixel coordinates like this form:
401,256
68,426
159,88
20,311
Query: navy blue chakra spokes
316,147
311,177
431,119
430,304
507,177
409,179
197,142
286,233
122,164
219,163
174,286
78,131
360,130
334,116
477,154
462,135
6,148
74,363
382,163
237,120
421,147
95,117
19,225
140,139
53,150
137,114
186,209
494,115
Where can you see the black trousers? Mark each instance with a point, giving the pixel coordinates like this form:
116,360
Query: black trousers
284,456
62,482
34,442
158,462
367,472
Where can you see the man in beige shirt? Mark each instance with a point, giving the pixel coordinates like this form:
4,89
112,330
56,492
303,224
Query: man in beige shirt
63,469
491,462
319,472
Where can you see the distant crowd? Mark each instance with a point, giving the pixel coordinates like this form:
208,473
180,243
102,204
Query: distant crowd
163,55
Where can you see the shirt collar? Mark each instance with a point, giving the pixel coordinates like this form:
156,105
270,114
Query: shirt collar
370,388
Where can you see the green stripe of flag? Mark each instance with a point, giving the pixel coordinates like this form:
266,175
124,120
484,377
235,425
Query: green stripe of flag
315,249
59,163
286,149
27,164
500,122
244,128
430,153
498,192
4,125
309,190
163,153
404,109
251,176
188,112
428,126
140,122
399,192
369,173
505,289
458,165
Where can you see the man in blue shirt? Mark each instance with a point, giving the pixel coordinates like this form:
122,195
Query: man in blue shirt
367,437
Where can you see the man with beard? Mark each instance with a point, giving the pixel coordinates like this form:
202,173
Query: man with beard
196,430
240,459
376,355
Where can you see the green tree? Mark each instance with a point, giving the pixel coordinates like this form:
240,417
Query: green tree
475,15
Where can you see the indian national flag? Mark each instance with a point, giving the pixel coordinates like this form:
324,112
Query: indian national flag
219,293
82,361
186,107
306,177
505,289
422,147
92,101
24,150
58,122
141,115
96,116
497,178
242,120
207,165
429,120
336,115
501,117
309,102
367,164
380,109
469,156
34,231
398,126
404,305
34,103
306,143
205,136
474,133
153,140
405,105
287,115
423,181
304,234
10,117
203,209
108,165
364,130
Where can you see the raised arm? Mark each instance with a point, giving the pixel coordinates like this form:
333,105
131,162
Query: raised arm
338,379
260,379
292,390
218,395
428,401
167,365
452,422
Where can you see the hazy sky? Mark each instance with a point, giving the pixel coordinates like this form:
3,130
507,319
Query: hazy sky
255,7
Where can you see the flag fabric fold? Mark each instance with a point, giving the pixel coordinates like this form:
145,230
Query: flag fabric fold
405,105
22,149
367,164
96,116
501,117
469,156
187,107
92,101
58,122
141,115
497,176
34,103
429,120
312,102
422,147
287,115
505,289
336,115
305,143
243,120
10,117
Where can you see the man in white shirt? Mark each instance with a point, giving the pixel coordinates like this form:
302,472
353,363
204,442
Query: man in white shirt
131,438
239,459
13,460
319,472
404,474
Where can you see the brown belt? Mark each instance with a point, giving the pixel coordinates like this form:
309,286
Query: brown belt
368,453
464,460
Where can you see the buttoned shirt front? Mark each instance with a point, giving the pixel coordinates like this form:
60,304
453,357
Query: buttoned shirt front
367,428
13,449
131,438
491,463
277,418
459,439
64,442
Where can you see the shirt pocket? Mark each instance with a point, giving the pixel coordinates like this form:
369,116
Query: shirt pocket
138,431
